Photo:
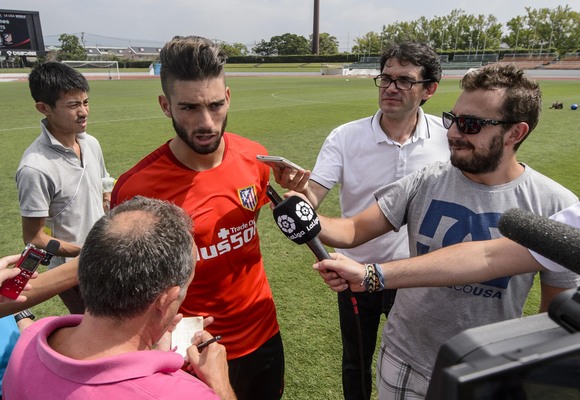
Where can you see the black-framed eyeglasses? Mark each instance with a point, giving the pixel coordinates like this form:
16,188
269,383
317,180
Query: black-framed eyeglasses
469,125
384,81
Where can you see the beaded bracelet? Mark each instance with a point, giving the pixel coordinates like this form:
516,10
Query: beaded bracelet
374,279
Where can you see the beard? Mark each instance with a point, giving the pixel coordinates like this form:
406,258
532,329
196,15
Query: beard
187,137
482,161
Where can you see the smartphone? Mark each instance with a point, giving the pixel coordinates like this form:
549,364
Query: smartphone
278,161
29,260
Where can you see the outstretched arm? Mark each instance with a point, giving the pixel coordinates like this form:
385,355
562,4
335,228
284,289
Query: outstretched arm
356,230
468,262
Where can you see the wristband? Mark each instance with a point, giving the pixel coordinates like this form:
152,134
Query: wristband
379,271
374,279
24,314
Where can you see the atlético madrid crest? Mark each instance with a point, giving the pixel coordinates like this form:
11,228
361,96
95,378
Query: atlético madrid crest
248,197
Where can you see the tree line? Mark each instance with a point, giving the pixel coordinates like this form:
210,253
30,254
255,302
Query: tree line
540,30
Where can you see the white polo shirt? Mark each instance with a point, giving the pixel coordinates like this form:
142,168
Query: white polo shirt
361,159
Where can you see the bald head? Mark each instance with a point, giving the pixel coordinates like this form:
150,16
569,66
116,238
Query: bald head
143,247
132,224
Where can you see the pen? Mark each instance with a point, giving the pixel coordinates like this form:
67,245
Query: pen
202,346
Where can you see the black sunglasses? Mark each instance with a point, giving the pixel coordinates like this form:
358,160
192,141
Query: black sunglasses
469,125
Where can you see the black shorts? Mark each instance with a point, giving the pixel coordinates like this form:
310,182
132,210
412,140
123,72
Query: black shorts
260,374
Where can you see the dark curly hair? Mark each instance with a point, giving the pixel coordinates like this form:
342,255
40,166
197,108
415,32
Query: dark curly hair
418,54
522,99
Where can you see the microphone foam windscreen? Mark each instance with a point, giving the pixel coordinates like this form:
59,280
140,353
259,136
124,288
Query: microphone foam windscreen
52,247
554,240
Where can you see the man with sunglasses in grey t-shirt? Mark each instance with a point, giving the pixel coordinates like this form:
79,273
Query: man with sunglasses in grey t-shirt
454,202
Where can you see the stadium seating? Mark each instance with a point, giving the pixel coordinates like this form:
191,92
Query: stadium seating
563,64
460,65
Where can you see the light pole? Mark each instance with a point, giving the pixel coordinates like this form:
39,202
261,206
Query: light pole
315,29
469,52
456,37
485,39
551,35
517,37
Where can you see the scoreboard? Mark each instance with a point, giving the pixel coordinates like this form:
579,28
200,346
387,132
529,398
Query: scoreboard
20,34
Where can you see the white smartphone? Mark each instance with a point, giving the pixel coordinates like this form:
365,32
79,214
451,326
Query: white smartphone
278,161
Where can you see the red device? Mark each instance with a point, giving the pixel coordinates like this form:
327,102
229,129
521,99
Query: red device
29,260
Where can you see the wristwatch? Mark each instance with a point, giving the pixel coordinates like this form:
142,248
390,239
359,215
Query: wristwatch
24,314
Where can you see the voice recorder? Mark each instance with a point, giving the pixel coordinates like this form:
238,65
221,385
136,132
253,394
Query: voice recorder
29,260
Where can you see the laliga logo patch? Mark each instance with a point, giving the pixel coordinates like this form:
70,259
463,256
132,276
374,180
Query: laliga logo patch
286,223
303,211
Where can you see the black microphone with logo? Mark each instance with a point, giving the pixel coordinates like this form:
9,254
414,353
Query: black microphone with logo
299,222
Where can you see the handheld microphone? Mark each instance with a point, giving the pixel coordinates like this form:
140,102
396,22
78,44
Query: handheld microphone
299,222
552,239
51,249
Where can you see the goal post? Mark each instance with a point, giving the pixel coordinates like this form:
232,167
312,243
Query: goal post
95,68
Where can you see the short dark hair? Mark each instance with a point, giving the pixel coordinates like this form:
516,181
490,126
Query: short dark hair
190,58
418,54
50,80
141,248
522,99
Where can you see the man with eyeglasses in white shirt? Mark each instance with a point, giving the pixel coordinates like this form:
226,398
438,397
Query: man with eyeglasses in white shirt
448,203
361,156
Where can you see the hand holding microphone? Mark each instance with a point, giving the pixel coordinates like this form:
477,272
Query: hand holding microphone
341,273
299,222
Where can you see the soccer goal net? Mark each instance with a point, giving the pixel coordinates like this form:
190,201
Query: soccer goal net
95,68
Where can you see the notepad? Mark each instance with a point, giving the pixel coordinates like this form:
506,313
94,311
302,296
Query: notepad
182,336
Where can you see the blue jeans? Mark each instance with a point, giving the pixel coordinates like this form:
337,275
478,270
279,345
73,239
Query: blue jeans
370,307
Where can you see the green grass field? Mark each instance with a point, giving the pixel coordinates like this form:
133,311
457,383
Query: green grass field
291,116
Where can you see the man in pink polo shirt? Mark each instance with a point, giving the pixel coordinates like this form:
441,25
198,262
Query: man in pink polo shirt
134,271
